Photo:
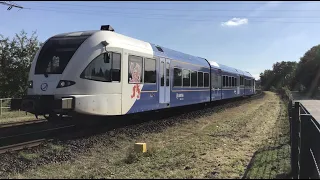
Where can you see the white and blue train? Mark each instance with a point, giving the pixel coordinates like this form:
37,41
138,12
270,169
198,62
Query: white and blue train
105,73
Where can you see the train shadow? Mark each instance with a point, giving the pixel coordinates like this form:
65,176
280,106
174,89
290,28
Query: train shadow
153,121
272,160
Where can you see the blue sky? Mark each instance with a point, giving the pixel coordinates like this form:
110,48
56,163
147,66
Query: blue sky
247,35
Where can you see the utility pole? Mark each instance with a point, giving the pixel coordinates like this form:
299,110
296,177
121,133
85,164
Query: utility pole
10,4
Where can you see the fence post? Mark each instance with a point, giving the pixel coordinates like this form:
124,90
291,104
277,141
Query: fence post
305,155
294,140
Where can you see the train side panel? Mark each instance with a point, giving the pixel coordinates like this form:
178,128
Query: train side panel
186,88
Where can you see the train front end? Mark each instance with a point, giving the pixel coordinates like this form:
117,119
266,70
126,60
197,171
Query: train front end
58,78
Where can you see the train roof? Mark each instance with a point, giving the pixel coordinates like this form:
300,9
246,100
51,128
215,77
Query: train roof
165,52
157,50
77,33
229,69
172,54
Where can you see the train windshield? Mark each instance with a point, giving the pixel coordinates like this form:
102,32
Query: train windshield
56,54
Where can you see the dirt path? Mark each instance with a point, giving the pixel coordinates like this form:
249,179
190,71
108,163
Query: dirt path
218,145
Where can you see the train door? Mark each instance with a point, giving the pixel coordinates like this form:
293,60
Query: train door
238,85
164,79
216,84
254,85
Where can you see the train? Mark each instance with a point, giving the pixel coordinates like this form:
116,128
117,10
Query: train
104,73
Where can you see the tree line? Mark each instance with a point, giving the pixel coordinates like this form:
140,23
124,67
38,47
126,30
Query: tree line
300,76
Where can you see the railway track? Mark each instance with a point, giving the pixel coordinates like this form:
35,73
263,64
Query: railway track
17,136
24,135
22,123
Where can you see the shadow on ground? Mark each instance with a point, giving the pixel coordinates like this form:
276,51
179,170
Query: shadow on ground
272,160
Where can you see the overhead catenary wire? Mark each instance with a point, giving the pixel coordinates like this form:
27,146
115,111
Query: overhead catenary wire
171,9
159,14
10,4
165,16
95,13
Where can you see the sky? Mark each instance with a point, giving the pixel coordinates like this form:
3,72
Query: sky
250,36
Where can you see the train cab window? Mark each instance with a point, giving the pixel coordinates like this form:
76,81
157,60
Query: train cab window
105,68
116,67
135,69
177,77
206,80
194,79
236,81
150,70
200,79
186,78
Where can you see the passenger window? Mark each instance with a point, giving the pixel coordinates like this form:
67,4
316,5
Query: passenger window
186,78
206,80
194,79
227,81
177,77
230,82
235,81
105,68
200,79
135,69
224,81
150,71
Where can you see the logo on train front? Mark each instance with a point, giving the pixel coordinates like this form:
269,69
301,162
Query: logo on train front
44,86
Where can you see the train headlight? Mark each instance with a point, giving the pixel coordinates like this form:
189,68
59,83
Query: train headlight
65,83
30,84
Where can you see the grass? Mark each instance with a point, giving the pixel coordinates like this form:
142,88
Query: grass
249,140
8,116
28,156
16,116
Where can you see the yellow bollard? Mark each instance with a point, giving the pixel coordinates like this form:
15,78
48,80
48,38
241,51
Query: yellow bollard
140,147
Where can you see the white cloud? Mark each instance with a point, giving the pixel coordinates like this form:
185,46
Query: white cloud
235,22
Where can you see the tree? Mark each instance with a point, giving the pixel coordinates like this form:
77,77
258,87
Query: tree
308,70
281,75
16,56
